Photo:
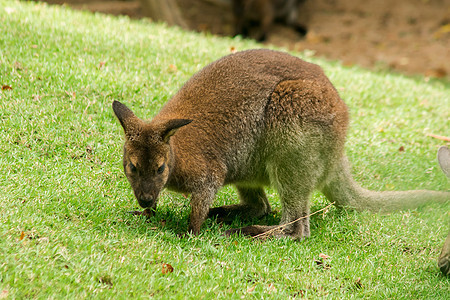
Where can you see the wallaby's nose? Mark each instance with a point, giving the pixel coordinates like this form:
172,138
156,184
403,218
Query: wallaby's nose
146,201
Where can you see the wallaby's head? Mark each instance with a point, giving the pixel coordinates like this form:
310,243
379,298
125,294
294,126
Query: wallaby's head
147,155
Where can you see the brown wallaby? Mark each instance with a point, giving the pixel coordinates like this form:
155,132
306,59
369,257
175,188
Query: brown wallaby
261,14
252,119
444,258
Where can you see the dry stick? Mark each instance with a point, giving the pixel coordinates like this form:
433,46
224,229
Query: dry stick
284,225
439,137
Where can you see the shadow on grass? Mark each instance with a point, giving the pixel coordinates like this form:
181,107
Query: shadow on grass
174,221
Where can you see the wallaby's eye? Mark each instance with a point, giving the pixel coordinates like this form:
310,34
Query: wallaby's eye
161,168
132,167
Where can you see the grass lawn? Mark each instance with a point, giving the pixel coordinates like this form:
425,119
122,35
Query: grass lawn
64,227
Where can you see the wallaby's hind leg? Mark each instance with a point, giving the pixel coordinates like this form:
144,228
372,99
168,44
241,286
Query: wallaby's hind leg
253,204
294,183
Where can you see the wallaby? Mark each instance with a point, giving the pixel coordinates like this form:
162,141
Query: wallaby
259,16
444,258
252,119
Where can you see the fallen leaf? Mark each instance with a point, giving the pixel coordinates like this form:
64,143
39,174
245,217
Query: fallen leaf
401,149
22,235
6,87
251,289
323,256
101,64
166,268
321,262
172,68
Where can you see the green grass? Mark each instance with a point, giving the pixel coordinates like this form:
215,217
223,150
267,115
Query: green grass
64,230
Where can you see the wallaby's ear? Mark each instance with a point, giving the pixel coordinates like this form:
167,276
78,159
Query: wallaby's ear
444,160
126,117
171,126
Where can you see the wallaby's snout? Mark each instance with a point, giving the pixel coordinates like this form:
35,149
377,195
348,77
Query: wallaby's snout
146,200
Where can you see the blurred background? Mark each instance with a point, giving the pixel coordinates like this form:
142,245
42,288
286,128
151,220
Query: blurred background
406,36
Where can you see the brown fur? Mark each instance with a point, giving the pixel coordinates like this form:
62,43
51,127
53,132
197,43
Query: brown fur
444,258
256,17
259,118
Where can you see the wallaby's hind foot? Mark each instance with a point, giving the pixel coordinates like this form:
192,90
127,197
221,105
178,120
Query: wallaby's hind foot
254,204
263,231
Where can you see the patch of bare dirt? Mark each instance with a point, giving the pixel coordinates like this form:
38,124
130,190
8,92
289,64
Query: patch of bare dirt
408,36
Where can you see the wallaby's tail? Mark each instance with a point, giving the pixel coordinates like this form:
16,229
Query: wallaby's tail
345,192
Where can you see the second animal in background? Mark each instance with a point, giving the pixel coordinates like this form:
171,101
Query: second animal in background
255,18
444,258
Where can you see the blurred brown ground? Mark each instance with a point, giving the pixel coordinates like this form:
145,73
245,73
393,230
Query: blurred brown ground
407,36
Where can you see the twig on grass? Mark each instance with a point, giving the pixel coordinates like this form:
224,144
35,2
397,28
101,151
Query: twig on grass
439,137
292,222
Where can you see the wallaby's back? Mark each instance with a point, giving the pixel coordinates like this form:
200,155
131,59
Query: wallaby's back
244,80
236,101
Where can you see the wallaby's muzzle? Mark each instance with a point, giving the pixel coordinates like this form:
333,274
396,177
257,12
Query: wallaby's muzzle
147,200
